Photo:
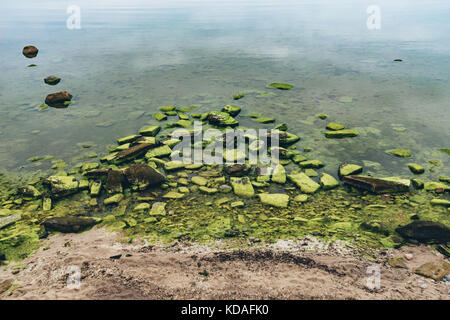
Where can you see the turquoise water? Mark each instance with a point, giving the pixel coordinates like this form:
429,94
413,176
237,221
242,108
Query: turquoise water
130,57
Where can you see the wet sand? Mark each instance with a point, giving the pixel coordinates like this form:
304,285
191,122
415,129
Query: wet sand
301,269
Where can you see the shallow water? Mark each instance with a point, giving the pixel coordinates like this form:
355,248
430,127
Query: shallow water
130,57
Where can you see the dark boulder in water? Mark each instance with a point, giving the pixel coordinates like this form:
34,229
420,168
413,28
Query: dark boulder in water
52,80
30,51
114,182
375,185
131,153
69,224
142,176
58,99
236,170
425,232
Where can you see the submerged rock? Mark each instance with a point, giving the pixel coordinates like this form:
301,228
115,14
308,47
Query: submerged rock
131,153
425,232
142,176
281,86
279,174
275,199
333,126
52,80
58,99
236,170
345,133
29,191
303,182
69,224
375,185
158,209
402,153
316,164
416,168
30,51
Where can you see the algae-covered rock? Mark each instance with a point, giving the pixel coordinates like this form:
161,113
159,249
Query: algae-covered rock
173,165
159,152
198,180
281,127
276,199
231,110
377,185
444,178
416,168
173,195
160,116
316,164
115,199
265,120
279,174
47,204
208,190
417,183
61,186
167,108
150,131
158,209
128,139
238,96
347,169
131,153
29,192
184,123
281,86
402,153
242,187
142,176
303,182
425,232
322,116
333,126
345,133
328,182
440,202
221,119
301,198
96,187
69,224
286,138
433,185
144,206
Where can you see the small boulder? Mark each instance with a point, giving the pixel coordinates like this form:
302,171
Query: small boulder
58,99
425,232
68,224
52,80
142,176
30,51
276,199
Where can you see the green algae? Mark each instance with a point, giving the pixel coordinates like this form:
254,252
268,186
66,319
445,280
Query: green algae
281,86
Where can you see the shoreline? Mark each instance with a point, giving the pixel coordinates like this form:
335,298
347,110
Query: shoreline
288,269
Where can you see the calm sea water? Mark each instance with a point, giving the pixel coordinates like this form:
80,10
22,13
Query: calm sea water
130,57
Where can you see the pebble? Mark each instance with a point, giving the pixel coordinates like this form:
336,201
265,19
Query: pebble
408,256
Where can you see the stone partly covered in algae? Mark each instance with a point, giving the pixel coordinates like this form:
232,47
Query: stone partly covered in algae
52,80
150,131
276,199
345,133
232,156
198,180
432,186
328,182
173,165
115,181
402,153
69,224
221,119
231,110
128,139
264,120
167,108
58,99
61,186
425,232
142,207
95,188
440,202
130,153
47,204
29,192
378,186
184,123
416,168
142,176
434,271
333,126
444,178
281,86
115,199
208,190
242,187
303,182
238,96
173,195
30,51
301,198
322,116
347,169
417,183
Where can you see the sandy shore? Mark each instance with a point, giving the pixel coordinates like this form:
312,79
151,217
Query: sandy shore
303,269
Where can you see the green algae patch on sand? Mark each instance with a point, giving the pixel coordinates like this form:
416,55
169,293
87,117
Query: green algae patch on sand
281,86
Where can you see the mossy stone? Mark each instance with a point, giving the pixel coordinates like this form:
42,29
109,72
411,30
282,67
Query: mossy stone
242,187
335,126
160,116
402,153
303,182
275,199
281,86
349,169
231,110
150,131
345,133
416,168
328,182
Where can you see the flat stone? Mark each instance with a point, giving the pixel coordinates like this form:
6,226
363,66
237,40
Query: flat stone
115,199
142,176
159,152
402,153
425,232
335,126
199,180
281,86
127,139
440,202
150,131
158,209
69,224
304,183
96,188
61,186
208,190
142,207
275,199
328,182
345,133
301,198
279,174
242,187
416,168
173,165
349,169
173,195
231,110
316,164
160,116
